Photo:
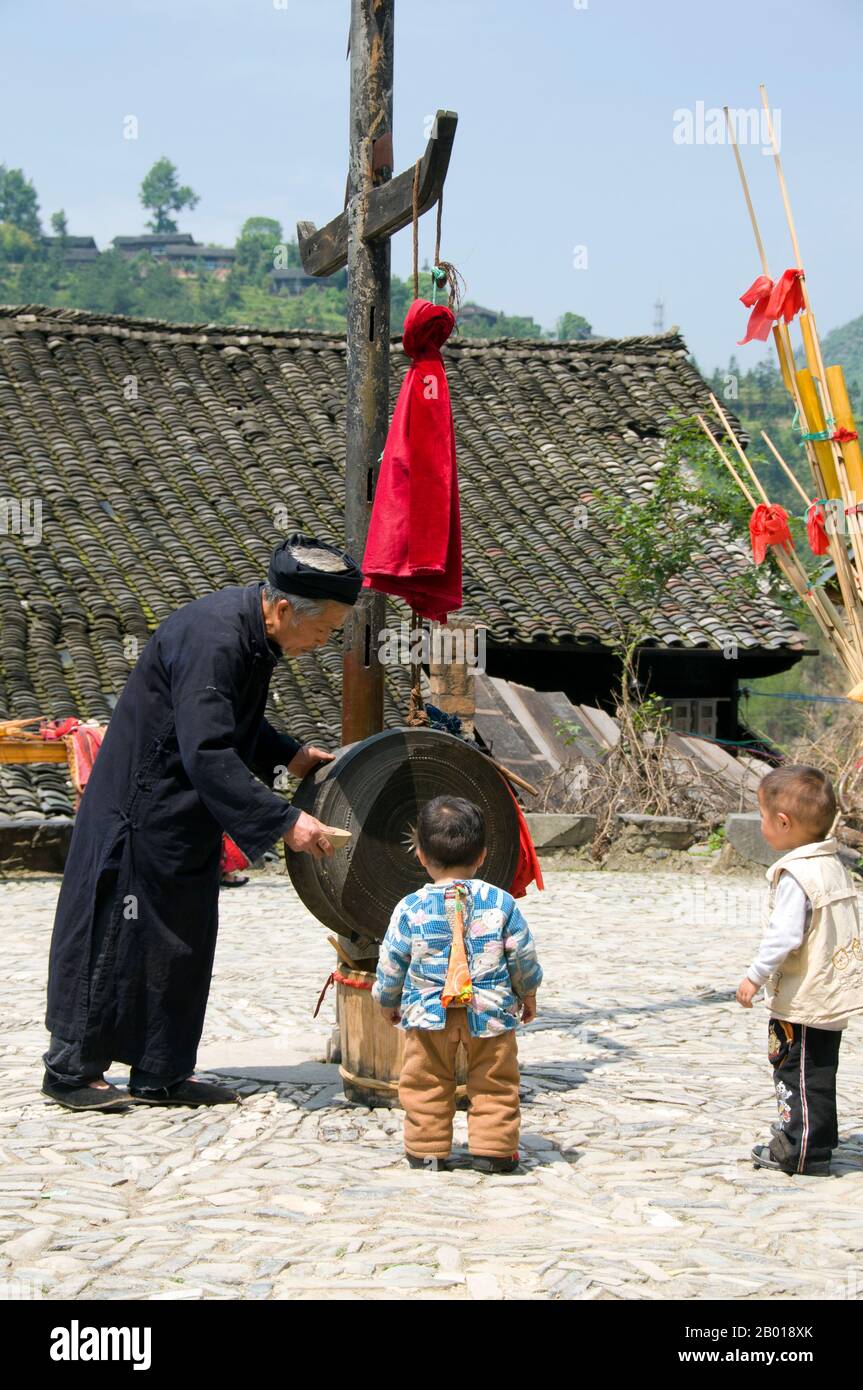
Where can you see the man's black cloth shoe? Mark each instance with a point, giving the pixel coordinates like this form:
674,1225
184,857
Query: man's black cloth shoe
84,1097
763,1158
187,1092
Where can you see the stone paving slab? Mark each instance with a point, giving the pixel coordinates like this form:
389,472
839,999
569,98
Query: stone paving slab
644,1087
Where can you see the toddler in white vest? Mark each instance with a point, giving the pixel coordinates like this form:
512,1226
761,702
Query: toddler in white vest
810,963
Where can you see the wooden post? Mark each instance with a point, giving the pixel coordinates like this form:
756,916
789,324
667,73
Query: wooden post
368,352
377,206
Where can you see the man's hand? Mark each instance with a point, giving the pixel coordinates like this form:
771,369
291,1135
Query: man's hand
746,992
307,758
307,836
528,1008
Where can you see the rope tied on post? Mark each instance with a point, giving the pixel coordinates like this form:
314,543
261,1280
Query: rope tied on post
417,714
442,272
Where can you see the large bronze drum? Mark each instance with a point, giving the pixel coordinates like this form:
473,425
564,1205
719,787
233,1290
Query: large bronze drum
375,789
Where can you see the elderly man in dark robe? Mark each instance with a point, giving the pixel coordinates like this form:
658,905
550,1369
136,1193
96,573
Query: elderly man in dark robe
188,754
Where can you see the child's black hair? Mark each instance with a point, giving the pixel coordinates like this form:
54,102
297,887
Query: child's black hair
450,832
804,792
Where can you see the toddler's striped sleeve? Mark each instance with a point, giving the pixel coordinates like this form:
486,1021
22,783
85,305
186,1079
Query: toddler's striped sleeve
393,961
525,971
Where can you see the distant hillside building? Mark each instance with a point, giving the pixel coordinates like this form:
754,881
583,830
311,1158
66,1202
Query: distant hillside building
475,313
186,261
153,244
293,280
181,252
75,250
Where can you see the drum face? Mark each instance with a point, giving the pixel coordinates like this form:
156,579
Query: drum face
375,789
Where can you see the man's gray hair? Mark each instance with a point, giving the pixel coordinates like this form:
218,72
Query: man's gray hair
319,559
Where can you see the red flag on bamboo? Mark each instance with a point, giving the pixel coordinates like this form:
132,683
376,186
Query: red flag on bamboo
768,525
770,300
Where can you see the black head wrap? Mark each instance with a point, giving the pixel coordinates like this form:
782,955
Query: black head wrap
292,576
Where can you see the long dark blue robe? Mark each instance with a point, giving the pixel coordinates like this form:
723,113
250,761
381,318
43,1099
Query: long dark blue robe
137,916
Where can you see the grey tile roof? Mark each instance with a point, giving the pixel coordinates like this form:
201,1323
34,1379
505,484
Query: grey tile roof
170,459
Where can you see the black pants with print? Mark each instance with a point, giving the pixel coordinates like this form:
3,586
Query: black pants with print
804,1062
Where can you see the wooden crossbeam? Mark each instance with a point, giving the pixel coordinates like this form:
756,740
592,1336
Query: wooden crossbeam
324,250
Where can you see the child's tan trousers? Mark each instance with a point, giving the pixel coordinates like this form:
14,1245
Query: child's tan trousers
427,1089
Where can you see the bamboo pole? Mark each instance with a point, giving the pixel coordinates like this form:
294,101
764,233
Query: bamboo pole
825,615
812,346
738,447
514,777
10,728
809,501
844,417
726,460
781,335
844,570
855,649
786,470
782,342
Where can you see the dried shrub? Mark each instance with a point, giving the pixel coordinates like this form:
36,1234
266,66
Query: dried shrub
641,775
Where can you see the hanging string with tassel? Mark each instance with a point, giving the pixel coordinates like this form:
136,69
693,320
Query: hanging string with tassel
444,272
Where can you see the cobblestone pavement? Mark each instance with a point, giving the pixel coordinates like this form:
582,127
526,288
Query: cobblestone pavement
644,1087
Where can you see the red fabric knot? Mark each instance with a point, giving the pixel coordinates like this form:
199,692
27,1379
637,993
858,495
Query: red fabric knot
816,531
843,436
55,729
768,525
771,300
413,548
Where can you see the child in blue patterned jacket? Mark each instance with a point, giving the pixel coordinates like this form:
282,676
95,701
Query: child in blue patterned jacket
458,965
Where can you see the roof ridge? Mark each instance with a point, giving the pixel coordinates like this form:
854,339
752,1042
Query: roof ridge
33,317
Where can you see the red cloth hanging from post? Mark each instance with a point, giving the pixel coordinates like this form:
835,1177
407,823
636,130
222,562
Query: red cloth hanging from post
770,300
413,548
768,525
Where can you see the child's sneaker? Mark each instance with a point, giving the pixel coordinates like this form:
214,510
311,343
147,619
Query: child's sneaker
763,1158
431,1163
483,1163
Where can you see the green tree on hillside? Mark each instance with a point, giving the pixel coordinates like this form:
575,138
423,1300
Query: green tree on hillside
256,250
19,203
108,286
59,225
16,246
571,326
161,194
